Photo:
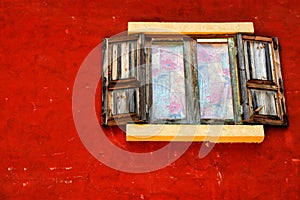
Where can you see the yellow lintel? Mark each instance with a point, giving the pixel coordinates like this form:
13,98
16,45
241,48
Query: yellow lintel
190,28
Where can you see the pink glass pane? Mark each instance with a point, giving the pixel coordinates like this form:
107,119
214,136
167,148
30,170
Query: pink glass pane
168,82
214,81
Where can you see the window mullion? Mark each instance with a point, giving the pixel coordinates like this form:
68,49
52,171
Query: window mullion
191,82
243,79
234,80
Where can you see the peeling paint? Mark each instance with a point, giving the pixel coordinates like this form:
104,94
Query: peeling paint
220,178
60,168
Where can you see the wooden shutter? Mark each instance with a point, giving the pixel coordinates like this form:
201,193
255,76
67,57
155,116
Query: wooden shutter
123,76
262,92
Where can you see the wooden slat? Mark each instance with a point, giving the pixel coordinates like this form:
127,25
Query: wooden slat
119,59
123,119
252,58
132,101
265,82
114,106
114,55
256,85
124,60
268,62
247,60
195,133
132,57
123,84
190,28
105,69
258,38
117,39
110,105
265,119
251,104
121,102
259,60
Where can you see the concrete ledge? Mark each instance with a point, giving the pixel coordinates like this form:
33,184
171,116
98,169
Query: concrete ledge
190,27
195,133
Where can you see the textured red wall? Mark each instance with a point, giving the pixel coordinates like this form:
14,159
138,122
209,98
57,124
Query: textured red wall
42,45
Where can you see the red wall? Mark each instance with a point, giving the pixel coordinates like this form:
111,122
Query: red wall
42,45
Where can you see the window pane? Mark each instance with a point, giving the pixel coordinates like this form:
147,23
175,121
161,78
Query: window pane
264,102
168,81
214,81
258,60
123,60
123,101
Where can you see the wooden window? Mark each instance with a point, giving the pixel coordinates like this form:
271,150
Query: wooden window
172,91
217,80
261,80
232,79
168,87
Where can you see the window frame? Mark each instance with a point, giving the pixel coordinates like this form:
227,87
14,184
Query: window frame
233,65
190,77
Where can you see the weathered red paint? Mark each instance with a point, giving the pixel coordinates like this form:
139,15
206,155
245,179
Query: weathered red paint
43,44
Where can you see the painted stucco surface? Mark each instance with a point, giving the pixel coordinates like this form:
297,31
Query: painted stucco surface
42,45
